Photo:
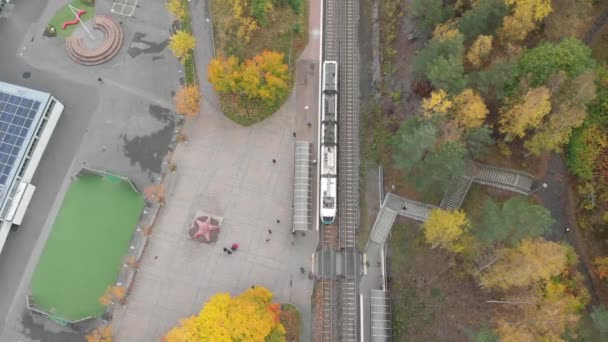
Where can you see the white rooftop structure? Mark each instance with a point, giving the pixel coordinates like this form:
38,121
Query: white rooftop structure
27,120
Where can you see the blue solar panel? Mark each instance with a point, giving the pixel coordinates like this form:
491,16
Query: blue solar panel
16,117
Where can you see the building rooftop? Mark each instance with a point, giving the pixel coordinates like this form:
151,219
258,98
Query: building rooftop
21,112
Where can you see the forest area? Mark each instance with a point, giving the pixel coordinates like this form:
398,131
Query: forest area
518,84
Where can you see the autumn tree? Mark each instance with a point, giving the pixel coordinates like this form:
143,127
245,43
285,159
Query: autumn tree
177,9
483,19
545,314
264,77
155,193
236,24
250,316
182,43
437,105
567,18
431,13
100,334
480,50
524,113
113,295
188,100
526,16
569,110
445,229
469,109
512,222
570,55
530,261
586,145
224,74
600,265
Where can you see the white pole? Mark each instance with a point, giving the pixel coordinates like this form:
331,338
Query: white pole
73,9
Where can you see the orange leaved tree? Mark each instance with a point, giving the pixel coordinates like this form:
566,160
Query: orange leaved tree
188,100
250,316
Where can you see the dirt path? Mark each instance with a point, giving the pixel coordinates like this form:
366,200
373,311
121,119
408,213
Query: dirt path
559,199
596,27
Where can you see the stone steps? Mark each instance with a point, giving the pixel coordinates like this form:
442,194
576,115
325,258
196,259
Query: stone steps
113,40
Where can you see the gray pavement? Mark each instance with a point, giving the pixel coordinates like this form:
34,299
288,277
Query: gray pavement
226,170
124,125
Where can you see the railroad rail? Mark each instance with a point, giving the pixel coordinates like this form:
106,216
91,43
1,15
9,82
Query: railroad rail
348,167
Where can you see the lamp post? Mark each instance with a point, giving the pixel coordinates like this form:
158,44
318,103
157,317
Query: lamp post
543,186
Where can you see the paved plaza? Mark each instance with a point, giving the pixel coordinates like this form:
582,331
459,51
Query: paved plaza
227,170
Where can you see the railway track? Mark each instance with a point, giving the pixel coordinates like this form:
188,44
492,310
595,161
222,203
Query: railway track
348,167
340,296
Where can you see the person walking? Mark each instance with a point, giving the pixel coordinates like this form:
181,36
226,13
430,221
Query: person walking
234,247
270,231
302,270
309,124
225,249
229,252
274,161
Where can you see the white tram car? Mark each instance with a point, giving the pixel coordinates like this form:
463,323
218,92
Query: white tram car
329,143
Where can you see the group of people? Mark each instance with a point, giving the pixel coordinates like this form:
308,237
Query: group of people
232,249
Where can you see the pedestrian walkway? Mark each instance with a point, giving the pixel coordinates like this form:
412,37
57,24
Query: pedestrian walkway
393,205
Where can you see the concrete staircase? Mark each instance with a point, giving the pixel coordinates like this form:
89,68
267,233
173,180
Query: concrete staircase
78,51
391,207
384,222
512,180
456,193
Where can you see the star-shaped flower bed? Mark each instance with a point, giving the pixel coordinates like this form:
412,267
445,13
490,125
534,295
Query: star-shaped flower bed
205,229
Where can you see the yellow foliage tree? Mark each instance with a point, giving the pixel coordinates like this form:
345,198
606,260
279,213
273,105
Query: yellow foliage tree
101,334
224,74
446,228
529,262
177,8
469,109
525,113
264,77
526,16
250,316
569,111
600,265
544,313
188,100
480,50
114,294
438,104
182,43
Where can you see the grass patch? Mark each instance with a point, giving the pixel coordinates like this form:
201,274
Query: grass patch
285,32
407,308
65,14
186,26
84,252
291,320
